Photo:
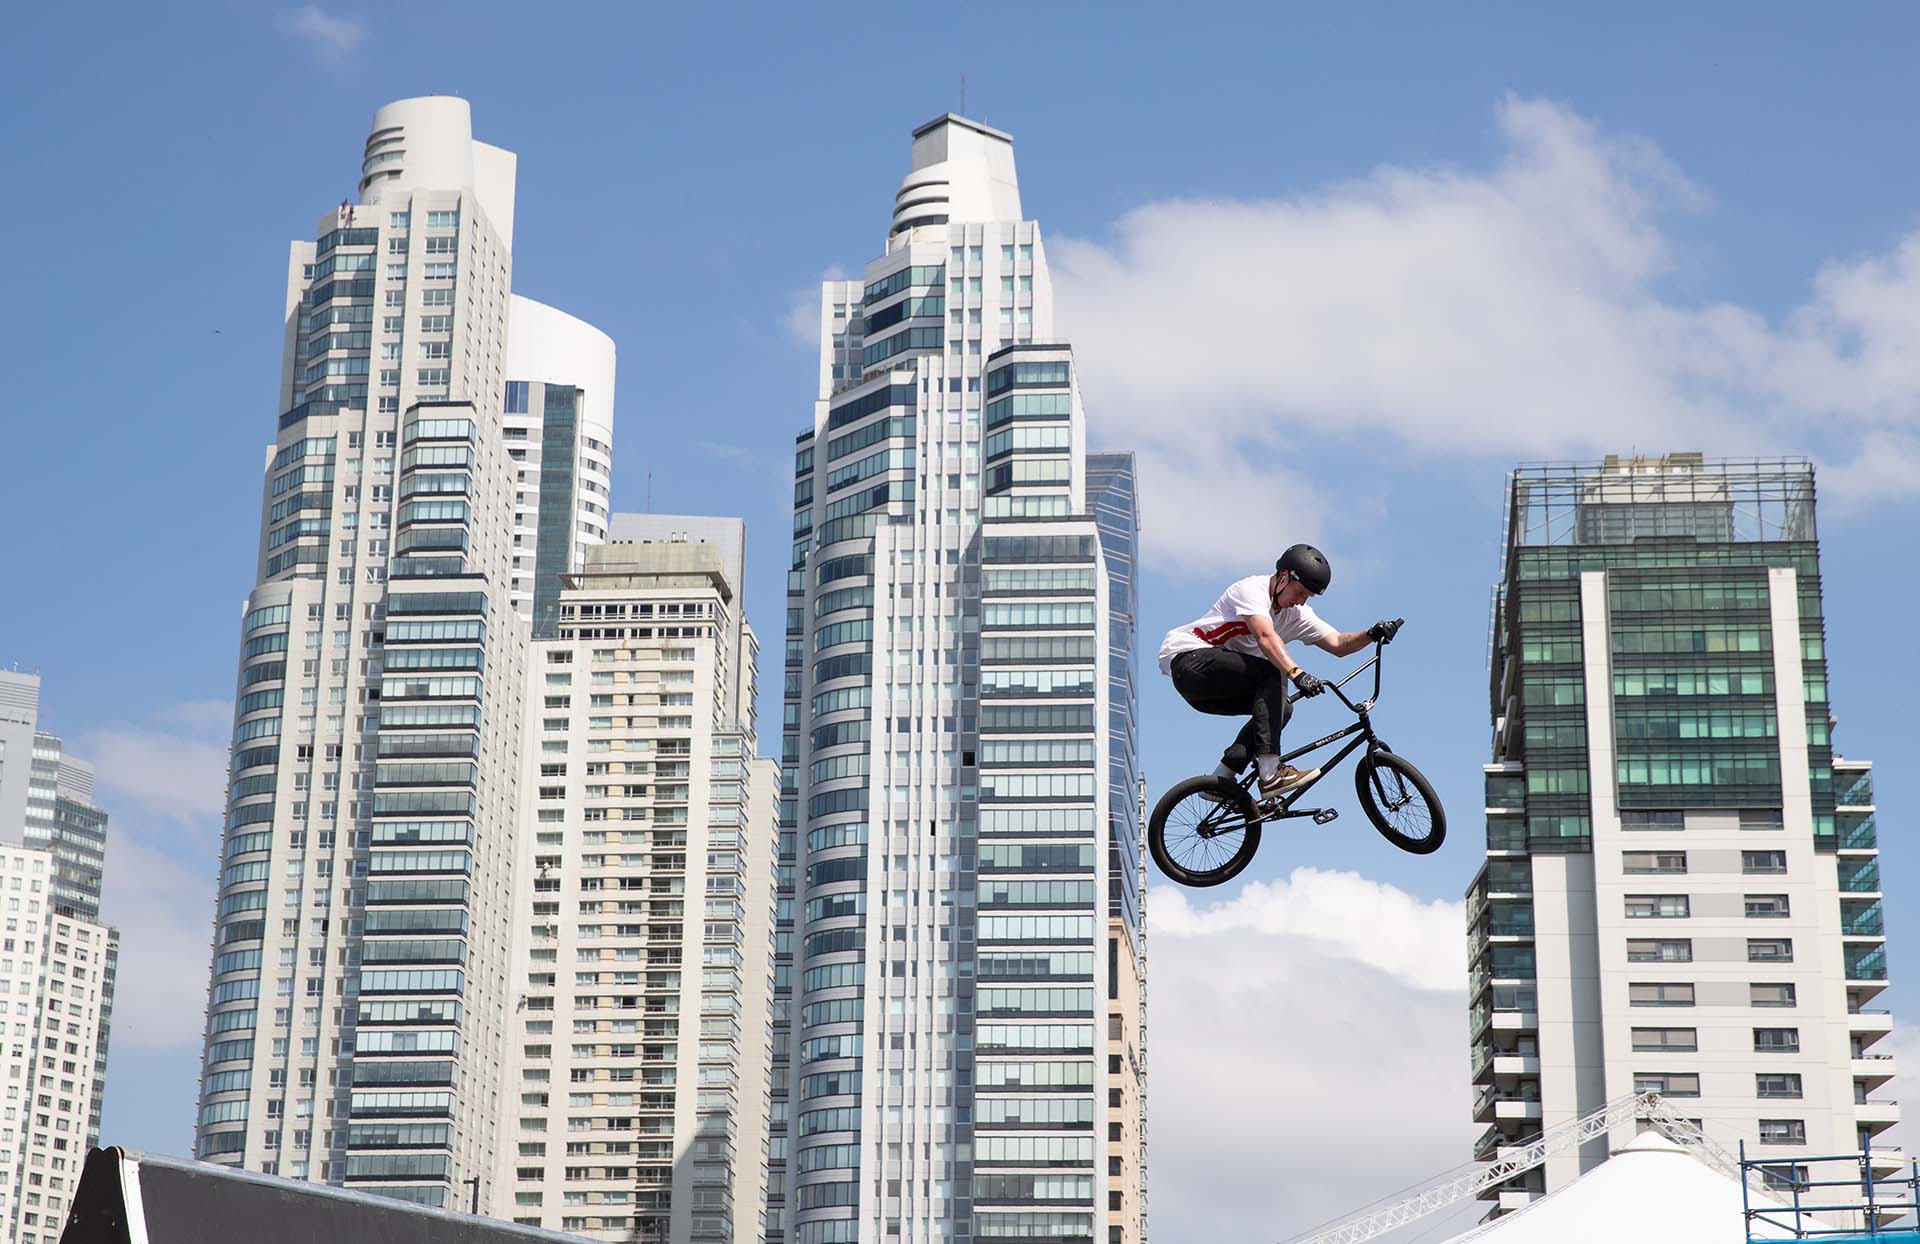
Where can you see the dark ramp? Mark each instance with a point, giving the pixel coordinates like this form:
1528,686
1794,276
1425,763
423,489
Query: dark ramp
129,1197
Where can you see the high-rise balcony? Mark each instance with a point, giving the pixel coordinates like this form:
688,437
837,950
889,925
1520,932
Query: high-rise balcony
1506,793
1510,920
1857,833
1859,876
1509,1104
1852,788
1865,964
1506,833
1510,1068
1870,1071
1862,921
1867,1025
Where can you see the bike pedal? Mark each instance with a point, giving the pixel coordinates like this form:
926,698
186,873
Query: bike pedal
1326,816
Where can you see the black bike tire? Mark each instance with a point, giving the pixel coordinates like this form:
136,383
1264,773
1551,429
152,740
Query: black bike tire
1400,765
1157,825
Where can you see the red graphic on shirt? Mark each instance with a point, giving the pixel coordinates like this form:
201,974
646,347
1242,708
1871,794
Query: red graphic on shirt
1217,635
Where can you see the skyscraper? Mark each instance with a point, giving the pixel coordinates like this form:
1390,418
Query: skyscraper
1114,502
958,722
559,432
359,1004
46,800
57,967
645,967
1681,891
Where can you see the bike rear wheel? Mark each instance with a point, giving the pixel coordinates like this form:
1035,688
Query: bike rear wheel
1202,841
1400,802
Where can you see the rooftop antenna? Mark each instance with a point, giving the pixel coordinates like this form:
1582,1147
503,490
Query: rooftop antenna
649,492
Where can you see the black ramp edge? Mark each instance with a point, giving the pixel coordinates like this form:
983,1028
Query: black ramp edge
187,1202
99,1211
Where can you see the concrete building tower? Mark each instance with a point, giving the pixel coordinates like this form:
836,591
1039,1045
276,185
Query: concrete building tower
359,1004
1682,890
57,968
644,972
954,736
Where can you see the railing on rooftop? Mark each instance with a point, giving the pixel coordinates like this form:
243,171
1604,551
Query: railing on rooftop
1833,1197
1682,496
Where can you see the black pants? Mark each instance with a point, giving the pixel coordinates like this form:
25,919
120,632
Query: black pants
1233,684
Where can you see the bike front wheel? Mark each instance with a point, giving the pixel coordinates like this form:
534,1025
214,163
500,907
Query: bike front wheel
1400,802
1204,831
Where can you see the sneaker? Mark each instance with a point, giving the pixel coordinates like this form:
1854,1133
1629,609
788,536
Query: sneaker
1285,778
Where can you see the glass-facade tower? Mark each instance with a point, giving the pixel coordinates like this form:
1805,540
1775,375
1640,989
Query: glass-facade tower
359,1003
958,806
1681,891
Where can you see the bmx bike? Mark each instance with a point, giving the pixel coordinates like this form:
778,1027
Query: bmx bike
1204,830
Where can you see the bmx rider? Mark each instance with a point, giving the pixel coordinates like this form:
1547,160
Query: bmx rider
1232,661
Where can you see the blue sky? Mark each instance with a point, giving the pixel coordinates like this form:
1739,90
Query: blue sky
1435,242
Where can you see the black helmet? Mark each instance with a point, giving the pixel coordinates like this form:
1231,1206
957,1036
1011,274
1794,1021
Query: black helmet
1308,566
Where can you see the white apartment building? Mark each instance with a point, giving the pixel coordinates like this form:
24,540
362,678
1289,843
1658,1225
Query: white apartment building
54,973
559,431
643,971
49,794
959,789
359,1004
1682,888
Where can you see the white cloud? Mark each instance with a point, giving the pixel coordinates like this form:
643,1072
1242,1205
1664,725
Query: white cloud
331,38
164,788
1523,310
801,323
1306,1053
177,777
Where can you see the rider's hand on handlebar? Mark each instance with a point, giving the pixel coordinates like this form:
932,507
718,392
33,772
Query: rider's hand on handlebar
1308,685
1384,632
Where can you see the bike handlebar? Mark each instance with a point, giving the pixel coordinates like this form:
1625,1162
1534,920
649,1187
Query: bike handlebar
1379,653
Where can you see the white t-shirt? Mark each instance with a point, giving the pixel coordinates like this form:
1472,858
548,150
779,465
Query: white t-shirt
1224,625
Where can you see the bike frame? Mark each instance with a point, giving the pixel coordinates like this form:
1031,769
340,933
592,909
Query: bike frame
1283,806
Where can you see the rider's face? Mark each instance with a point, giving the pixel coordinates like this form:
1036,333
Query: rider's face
1291,593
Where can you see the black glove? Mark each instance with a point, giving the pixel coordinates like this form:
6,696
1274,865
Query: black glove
1383,632
1308,685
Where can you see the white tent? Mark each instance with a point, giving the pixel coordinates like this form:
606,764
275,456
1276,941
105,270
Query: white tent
1652,1191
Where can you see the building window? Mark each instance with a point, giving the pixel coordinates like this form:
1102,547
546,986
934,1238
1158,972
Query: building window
1660,993
1667,1083
1658,906
1770,994
1681,1040
1661,950
1763,861
1783,1131
1776,1040
1776,1084
1767,906
1653,862
1769,950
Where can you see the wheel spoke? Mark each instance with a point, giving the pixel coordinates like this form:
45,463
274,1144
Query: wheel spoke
1401,804
1202,836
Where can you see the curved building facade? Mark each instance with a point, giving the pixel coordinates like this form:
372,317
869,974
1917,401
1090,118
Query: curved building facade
957,745
559,432
359,1000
